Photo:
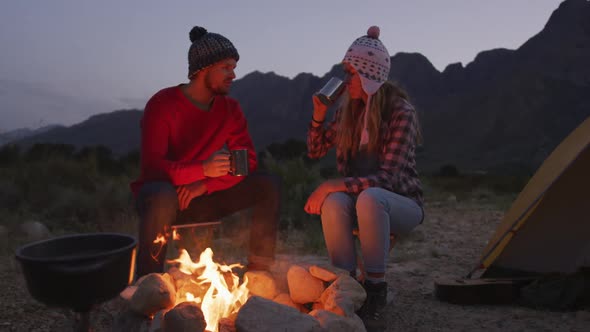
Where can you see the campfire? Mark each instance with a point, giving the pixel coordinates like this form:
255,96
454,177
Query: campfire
203,295
223,295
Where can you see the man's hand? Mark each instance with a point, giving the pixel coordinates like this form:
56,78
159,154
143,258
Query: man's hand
187,192
217,165
316,199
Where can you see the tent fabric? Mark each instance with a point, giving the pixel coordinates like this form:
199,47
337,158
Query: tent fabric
547,228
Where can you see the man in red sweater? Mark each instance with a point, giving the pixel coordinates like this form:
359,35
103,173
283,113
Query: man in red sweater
186,131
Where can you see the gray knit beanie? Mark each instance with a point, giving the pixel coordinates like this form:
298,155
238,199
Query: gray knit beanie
370,59
208,48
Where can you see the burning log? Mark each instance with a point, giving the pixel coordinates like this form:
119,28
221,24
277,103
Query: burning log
223,294
227,324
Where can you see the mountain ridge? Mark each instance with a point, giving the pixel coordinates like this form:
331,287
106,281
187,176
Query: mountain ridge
507,109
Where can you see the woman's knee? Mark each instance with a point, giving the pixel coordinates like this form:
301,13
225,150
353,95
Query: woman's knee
336,202
370,199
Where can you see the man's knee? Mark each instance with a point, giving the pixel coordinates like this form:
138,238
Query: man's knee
268,184
158,195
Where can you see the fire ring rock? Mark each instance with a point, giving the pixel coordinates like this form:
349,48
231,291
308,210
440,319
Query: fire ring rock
261,283
185,317
154,293
303,287
262,315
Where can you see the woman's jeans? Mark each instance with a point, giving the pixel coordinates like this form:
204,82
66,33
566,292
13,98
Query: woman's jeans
157,206
378,213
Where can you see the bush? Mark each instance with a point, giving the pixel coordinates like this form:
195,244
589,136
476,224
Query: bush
39,152
83,191
298,182
290,149
497,189
88,190
448,170
9,155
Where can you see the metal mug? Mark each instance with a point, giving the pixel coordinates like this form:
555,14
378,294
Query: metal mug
238,162
330,92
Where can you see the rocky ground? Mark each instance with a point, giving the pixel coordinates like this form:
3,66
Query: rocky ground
447,244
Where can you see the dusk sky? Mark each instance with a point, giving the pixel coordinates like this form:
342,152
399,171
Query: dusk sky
111,54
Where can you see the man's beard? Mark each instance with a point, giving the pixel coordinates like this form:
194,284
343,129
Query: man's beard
218,91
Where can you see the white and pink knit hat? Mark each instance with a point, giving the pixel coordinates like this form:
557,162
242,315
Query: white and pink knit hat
370,58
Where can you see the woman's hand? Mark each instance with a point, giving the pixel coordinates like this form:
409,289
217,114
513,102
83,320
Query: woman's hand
317,198
187,192
319,111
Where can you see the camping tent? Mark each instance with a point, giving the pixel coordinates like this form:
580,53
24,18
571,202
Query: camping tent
544,234
547,228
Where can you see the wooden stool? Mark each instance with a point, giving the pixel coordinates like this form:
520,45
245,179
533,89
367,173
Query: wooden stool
195,225
355,233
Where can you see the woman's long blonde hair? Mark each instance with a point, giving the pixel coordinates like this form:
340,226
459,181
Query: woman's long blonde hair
351,120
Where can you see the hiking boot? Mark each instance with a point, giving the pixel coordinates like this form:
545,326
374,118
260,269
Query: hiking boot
372,310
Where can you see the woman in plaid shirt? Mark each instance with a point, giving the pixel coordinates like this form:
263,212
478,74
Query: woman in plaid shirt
375,131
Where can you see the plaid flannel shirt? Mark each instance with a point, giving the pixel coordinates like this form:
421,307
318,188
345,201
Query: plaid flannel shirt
397,171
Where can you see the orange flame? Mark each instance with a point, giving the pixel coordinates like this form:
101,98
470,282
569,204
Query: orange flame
220,299
160,239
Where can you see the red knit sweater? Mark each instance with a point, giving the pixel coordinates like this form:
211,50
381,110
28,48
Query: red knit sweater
176,137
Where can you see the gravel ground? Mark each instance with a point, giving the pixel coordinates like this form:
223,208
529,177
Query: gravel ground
447,244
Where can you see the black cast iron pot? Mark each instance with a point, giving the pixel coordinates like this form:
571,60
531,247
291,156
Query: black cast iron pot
78,271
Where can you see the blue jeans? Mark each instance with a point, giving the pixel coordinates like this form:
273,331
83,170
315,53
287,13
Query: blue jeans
378,213
157,206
